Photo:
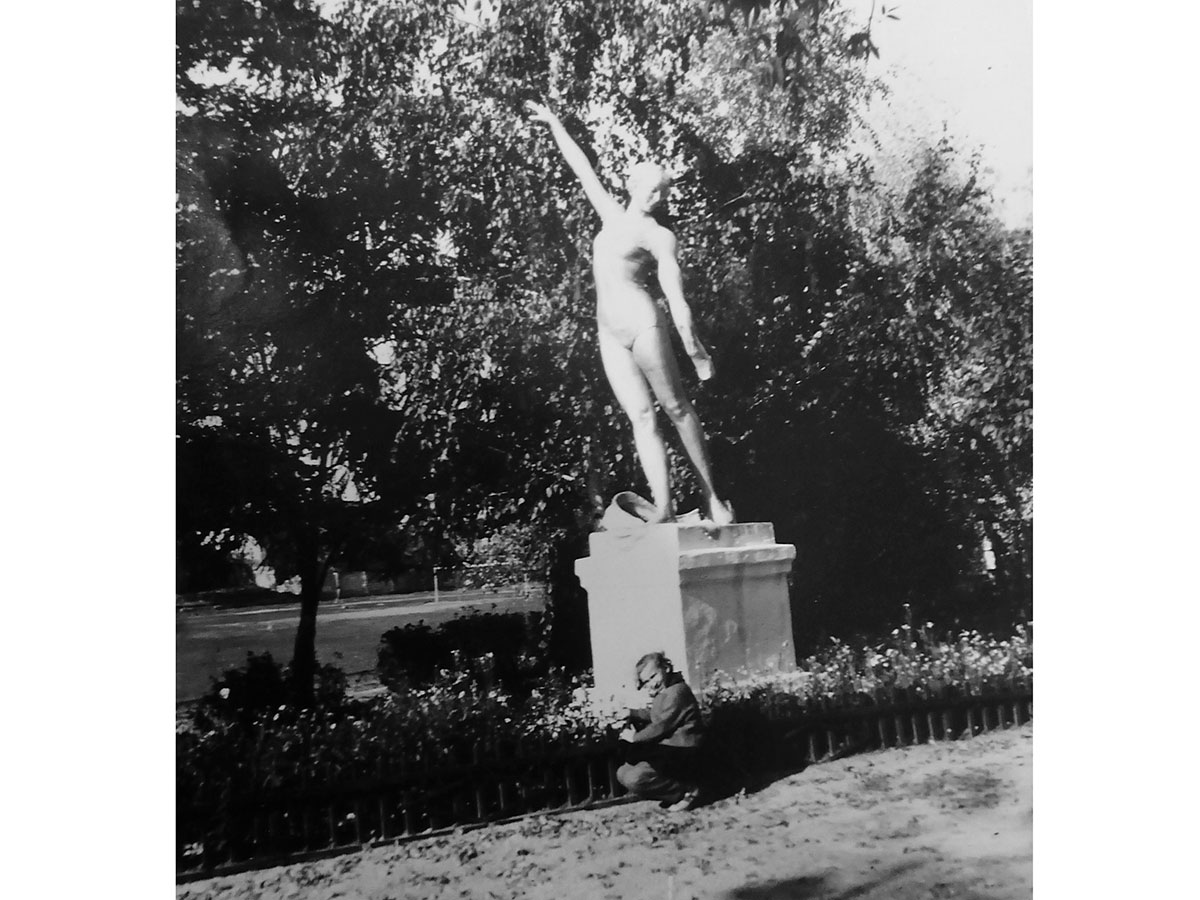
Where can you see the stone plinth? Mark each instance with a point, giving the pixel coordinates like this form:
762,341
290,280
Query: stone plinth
709,600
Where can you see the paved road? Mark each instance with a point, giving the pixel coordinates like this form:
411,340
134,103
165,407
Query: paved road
208,641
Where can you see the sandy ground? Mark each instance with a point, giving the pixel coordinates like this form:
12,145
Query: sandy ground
933,821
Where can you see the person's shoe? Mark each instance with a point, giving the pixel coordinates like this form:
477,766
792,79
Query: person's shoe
686,802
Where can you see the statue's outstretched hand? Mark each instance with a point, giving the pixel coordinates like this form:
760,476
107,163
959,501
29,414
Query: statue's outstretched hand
540,112
702,361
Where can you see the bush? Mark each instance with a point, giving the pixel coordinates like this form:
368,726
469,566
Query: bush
243,695
911,664
502,649
913,660
232,748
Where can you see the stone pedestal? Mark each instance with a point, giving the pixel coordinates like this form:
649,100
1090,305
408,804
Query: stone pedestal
709,600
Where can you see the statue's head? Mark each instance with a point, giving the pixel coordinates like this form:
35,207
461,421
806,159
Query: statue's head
648,184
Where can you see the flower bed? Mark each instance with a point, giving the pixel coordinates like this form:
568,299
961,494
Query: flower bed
914,661
248,746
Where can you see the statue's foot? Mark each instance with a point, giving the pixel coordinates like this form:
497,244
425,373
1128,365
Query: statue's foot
720,513
632,508
661,515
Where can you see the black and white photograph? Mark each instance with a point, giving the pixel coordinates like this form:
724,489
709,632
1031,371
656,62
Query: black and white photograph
593,445
604,449
592,442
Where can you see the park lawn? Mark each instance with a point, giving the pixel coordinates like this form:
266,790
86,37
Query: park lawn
949,819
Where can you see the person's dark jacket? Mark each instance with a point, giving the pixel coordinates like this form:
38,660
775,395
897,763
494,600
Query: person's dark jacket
673,717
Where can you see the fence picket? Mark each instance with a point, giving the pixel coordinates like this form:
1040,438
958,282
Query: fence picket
306,826
408,815
880,723
547,771
569,783
258,829
591,781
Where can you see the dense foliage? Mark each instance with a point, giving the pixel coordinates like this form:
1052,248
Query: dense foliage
386,348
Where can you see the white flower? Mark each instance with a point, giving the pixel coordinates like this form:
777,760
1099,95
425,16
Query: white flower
224,693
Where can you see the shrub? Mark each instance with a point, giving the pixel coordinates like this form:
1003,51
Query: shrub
245,694
913,660
500,649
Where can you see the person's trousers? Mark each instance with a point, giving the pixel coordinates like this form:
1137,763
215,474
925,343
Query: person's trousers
662,773
641,780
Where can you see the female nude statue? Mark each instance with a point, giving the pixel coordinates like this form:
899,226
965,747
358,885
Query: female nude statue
635,347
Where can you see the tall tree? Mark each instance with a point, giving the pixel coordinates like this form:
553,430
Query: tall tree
385,294
296,242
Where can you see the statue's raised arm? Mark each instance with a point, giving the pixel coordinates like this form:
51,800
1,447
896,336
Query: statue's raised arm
605,204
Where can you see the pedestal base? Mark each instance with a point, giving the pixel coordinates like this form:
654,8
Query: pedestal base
710,600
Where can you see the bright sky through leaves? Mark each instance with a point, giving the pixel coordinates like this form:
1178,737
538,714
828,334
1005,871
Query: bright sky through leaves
968,63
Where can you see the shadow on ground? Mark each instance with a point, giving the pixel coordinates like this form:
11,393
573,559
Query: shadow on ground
809,887
730,774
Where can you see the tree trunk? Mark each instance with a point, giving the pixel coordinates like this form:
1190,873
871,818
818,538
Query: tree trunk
1024,541
304,652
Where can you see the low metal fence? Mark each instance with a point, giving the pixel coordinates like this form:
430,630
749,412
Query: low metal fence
411,797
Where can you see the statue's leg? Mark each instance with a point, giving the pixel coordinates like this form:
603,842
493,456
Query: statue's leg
653,354
632,392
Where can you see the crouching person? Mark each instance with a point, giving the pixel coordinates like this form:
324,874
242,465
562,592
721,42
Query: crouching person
663,756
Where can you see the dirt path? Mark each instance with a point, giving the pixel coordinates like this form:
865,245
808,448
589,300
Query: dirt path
935,821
